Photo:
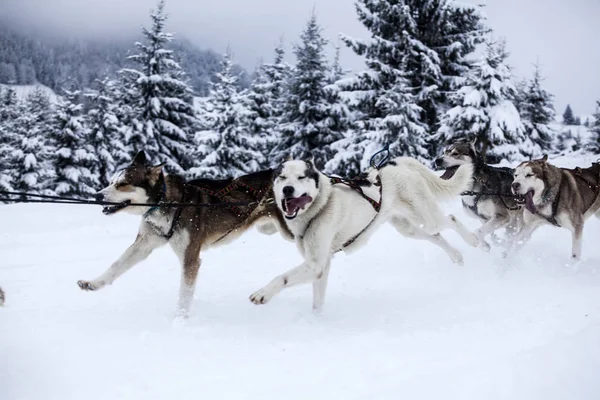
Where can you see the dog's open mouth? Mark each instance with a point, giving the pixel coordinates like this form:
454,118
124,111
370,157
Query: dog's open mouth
449,172
291,205
113,209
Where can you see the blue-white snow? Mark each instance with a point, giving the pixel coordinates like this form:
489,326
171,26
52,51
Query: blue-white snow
400,320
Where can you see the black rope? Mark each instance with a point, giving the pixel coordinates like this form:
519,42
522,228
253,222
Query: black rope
41,198
471,193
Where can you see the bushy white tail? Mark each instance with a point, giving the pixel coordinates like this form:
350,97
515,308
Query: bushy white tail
441,188
460,182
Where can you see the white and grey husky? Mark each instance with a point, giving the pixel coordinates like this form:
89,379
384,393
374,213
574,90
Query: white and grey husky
325,217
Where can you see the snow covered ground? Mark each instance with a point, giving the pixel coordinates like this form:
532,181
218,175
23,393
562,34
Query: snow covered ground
400,321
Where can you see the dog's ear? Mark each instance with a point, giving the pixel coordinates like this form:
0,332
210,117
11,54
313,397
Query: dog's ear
309,159
139,159
472,145
154,172
545,158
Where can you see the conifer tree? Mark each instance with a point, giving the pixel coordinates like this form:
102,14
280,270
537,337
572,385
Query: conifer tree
266,101
73,156
162,103
537,113
425,42
305,130
223,145
485,111
32,169
568,117
595,129
105,132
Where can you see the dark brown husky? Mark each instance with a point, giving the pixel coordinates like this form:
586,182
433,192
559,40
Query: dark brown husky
190,229
558,196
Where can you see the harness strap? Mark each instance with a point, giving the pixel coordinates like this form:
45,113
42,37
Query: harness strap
356,187
552,218
376,205
257,193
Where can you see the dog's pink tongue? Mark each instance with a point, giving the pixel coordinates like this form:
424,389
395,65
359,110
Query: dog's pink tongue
529,202
299,202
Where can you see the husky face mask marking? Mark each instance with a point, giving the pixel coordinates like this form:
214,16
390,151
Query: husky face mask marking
455,155
529,182
296,184
133,184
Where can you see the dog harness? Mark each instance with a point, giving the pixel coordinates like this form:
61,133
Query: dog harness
161,196
584,174
355,184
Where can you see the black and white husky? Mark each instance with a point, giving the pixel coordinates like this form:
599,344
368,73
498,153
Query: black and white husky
325,217
492,201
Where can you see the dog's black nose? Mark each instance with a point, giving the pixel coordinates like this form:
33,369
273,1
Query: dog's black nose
99,196
439,162
288,191
516,186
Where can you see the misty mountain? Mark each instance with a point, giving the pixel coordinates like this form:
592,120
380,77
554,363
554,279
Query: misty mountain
76,63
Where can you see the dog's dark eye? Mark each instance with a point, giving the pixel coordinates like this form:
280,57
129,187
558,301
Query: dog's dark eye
281,177
301,177
121,185
528,175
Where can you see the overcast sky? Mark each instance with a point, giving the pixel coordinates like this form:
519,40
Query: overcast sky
563,35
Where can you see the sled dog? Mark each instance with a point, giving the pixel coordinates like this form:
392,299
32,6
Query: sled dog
326,217
187,230
557,196
494,205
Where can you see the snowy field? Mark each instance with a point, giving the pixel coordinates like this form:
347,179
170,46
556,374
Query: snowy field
400,320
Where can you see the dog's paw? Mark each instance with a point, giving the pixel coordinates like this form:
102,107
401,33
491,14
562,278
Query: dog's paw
485,246
473,240
85,285
262,296
457,258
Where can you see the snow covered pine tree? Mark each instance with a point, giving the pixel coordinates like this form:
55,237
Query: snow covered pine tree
72,156
265,101
485,111
305,128
162,100
31,160
224,147
105,131
595,128
568,117
537,112
415,56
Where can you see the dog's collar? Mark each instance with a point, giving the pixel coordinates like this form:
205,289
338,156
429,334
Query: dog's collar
161,196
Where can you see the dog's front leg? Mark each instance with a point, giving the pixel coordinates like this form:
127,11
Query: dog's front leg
191,265
304,273
576,233
519,240
138,251
319,288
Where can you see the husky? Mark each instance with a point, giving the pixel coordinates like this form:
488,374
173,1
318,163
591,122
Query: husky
188,230
494,205
325,217
557,196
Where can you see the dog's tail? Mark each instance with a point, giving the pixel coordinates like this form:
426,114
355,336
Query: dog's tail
441,188
448,188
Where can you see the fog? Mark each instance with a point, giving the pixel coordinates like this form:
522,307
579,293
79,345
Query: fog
561,35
